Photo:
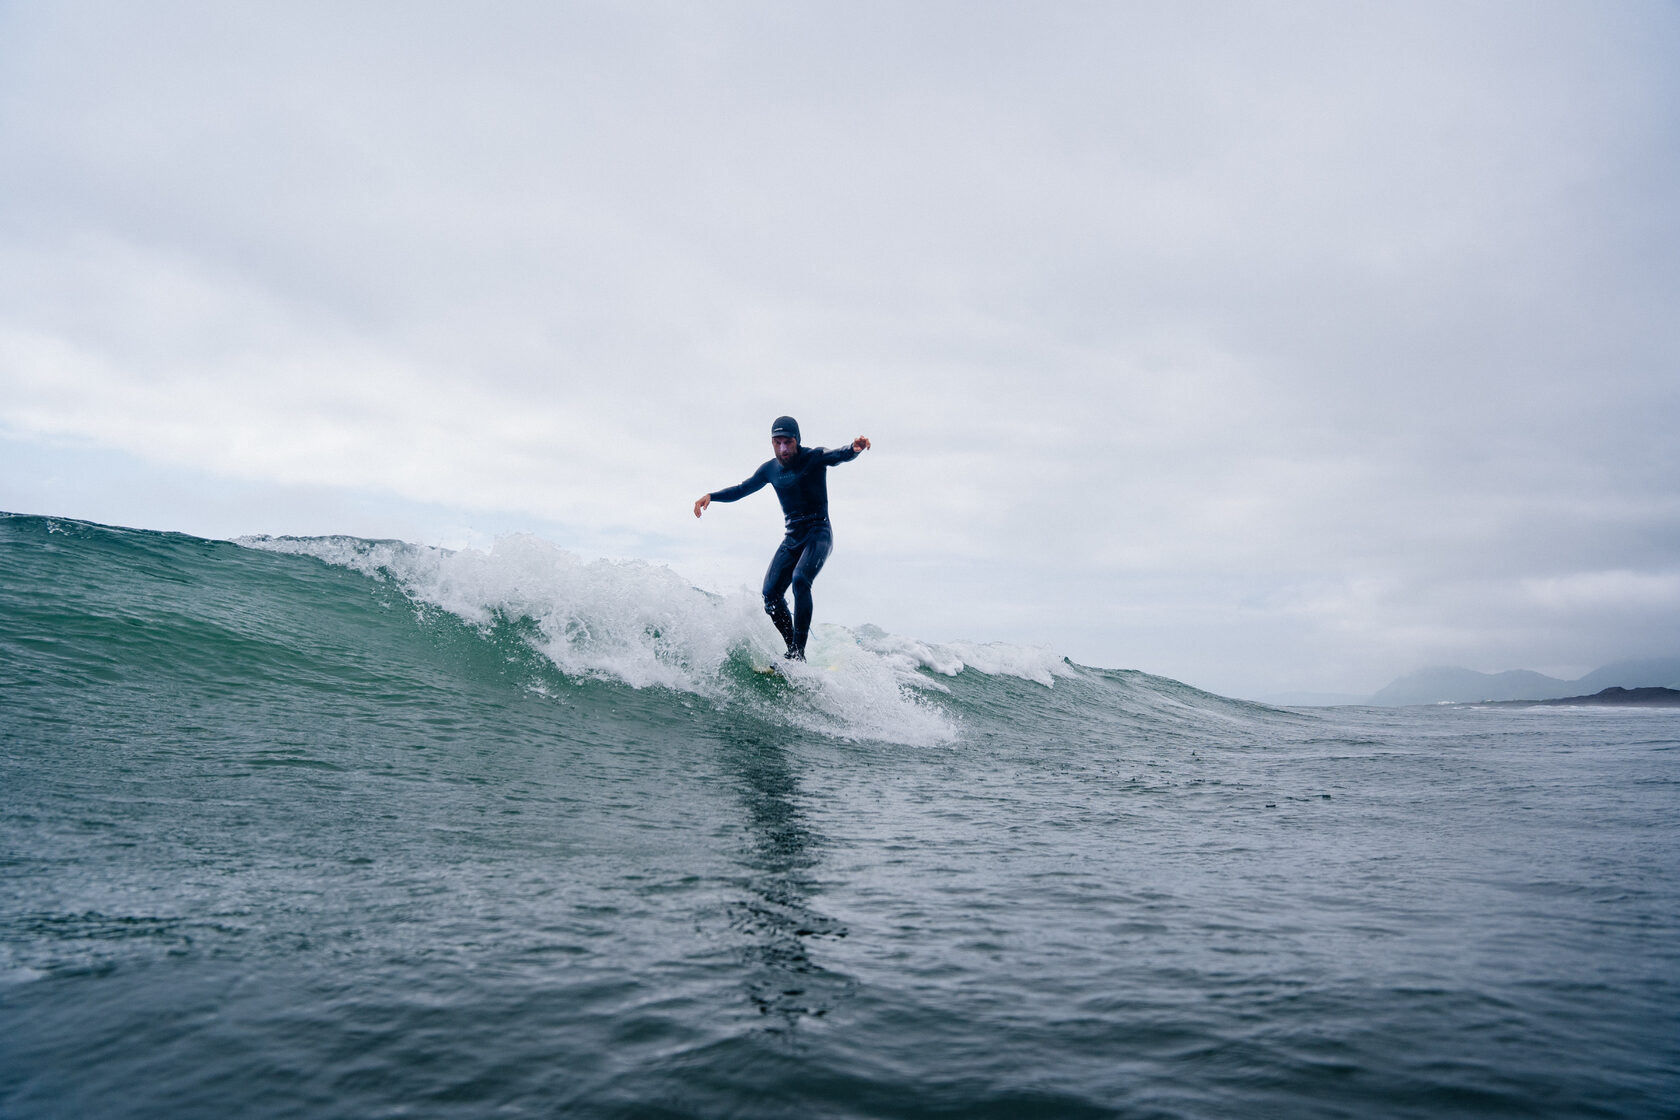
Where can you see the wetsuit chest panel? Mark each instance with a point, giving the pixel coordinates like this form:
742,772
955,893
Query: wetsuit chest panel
802,487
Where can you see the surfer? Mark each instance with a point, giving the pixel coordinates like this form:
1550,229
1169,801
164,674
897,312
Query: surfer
797,473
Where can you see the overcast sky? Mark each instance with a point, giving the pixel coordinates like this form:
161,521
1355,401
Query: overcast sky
1266,346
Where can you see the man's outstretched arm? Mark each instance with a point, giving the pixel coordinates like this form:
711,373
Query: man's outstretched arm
846,454
758,481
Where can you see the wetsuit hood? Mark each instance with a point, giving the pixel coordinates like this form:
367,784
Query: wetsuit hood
785,426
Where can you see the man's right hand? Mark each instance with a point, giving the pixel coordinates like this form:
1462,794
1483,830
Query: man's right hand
701,503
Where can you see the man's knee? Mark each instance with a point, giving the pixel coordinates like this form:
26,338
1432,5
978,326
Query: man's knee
772,604
801,585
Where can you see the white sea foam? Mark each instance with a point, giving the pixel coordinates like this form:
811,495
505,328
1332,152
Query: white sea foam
646,626
1033,663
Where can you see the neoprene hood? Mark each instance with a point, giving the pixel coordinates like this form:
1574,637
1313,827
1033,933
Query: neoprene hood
785,426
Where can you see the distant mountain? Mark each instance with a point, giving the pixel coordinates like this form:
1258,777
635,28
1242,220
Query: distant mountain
1660,672
1466,686
1615,696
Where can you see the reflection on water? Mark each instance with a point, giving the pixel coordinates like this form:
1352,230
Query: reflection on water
781,926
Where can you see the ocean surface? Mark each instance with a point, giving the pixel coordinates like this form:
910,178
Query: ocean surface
340,828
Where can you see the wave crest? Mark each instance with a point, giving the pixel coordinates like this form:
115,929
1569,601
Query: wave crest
646,626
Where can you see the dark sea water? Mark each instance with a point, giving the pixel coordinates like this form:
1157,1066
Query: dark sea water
341,828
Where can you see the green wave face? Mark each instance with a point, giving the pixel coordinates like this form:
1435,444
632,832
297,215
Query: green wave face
283,638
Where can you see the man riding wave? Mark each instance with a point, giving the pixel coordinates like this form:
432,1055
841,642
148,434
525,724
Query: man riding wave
798,474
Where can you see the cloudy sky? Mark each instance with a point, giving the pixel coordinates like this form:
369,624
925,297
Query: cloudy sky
1266,346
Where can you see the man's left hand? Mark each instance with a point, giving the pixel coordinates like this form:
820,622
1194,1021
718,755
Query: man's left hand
861,443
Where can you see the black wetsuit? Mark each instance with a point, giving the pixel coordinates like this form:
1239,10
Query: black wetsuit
803,491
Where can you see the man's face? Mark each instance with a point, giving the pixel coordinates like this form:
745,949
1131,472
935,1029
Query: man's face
786,447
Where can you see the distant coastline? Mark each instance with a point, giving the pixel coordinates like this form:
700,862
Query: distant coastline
1455,685
1613,696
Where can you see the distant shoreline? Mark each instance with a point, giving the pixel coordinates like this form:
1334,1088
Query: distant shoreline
1614,696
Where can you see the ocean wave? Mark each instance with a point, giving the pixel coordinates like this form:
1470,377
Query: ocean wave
644,625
